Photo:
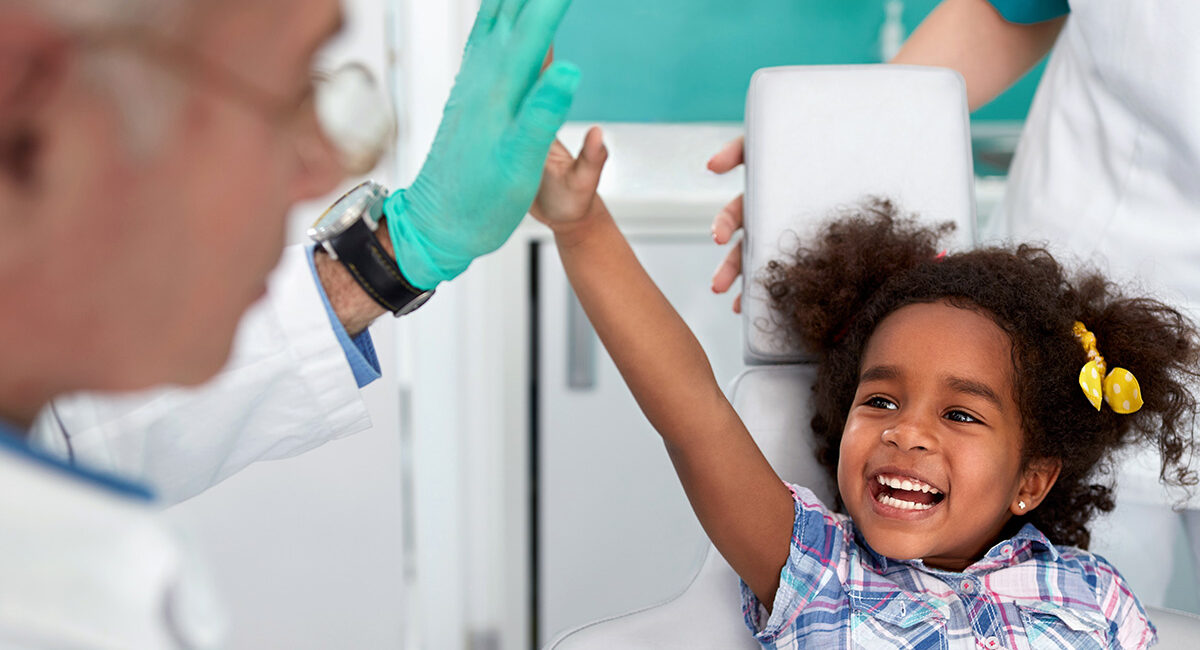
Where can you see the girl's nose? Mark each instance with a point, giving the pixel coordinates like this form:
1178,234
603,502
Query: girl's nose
909,436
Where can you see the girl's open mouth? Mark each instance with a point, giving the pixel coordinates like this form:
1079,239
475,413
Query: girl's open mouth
904,492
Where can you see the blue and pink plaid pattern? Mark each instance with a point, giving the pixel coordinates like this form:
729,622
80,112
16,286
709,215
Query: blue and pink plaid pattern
835,592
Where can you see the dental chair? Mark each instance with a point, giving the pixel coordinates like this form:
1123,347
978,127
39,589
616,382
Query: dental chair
818,139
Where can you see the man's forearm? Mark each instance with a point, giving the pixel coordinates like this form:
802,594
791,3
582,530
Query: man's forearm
354,308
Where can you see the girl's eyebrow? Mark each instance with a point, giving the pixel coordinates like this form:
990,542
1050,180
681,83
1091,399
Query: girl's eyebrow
972,387
879,373
955,383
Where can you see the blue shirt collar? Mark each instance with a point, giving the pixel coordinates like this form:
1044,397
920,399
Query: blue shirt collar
13,443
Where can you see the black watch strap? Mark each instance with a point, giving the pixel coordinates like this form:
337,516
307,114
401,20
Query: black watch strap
375,271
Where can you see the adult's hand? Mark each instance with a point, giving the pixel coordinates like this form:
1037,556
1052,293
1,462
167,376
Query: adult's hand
728,222
486,162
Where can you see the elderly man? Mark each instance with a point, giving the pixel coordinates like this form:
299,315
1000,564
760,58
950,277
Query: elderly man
149,152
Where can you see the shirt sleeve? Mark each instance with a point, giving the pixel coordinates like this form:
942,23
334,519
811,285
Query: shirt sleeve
1129,627
360,350
287,388
1030,11
817,546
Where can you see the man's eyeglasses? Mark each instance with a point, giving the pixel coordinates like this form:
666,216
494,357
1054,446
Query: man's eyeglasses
353,114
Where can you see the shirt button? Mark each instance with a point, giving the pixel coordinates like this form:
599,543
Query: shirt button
992,642
1006,550
967,586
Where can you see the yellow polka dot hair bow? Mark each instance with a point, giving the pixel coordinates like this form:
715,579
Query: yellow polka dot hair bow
1119,387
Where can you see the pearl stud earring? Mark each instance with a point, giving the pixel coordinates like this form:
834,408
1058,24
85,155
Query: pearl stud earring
1021,505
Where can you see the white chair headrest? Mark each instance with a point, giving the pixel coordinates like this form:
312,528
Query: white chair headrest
824,138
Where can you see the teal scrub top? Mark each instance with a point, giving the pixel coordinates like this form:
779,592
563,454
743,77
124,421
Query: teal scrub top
1030,11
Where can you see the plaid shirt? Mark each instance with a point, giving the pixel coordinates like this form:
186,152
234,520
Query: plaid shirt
835,592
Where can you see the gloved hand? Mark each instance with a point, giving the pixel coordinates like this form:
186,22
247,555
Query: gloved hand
486,162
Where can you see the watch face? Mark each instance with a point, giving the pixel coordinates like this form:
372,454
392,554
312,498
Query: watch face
366,199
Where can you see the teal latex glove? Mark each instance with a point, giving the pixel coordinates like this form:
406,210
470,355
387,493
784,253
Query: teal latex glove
486,162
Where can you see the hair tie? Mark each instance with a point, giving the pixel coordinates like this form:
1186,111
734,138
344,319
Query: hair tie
1119,387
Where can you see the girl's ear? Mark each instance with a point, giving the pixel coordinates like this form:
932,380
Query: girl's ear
1036,482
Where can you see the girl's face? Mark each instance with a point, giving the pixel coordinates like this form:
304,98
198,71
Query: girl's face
930,462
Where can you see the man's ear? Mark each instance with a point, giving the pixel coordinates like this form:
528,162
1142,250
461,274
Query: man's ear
1039,477
33,62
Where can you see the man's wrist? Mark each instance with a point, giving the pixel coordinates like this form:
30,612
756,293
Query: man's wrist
354,308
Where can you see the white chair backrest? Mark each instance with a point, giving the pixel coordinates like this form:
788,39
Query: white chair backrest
820,139
817,139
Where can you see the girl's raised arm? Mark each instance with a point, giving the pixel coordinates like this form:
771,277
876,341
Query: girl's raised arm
743,506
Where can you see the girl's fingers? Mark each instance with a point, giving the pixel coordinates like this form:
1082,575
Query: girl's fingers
591,159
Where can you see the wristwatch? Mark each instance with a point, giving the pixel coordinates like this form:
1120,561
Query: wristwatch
347,232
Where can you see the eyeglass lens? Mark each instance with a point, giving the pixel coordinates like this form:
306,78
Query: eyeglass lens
355,115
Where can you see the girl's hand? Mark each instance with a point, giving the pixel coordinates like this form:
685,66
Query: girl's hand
568,187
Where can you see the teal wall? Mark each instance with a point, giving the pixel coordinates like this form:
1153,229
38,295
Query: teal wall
691,60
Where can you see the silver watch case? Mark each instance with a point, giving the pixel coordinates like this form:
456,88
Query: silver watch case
363,202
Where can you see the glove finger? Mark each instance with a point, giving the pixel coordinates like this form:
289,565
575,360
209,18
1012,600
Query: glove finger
541,115
510,10
536,25
486,18
532,43
533,36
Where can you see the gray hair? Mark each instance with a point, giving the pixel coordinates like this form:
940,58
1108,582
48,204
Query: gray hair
85,14
145,94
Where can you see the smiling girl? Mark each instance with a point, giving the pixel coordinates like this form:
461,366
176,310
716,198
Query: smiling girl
963,408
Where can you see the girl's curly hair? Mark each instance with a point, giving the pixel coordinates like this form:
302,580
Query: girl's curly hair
867,264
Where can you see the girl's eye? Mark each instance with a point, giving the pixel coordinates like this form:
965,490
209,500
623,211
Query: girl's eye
881,403
961,416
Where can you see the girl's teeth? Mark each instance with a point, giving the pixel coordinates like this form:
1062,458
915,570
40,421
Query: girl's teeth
905,484
902,505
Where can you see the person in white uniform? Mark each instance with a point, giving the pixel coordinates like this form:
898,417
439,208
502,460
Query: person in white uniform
1106,170
300,356
149,152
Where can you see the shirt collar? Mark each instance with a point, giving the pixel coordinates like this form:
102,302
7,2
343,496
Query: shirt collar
1029,542
13,443
879,563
